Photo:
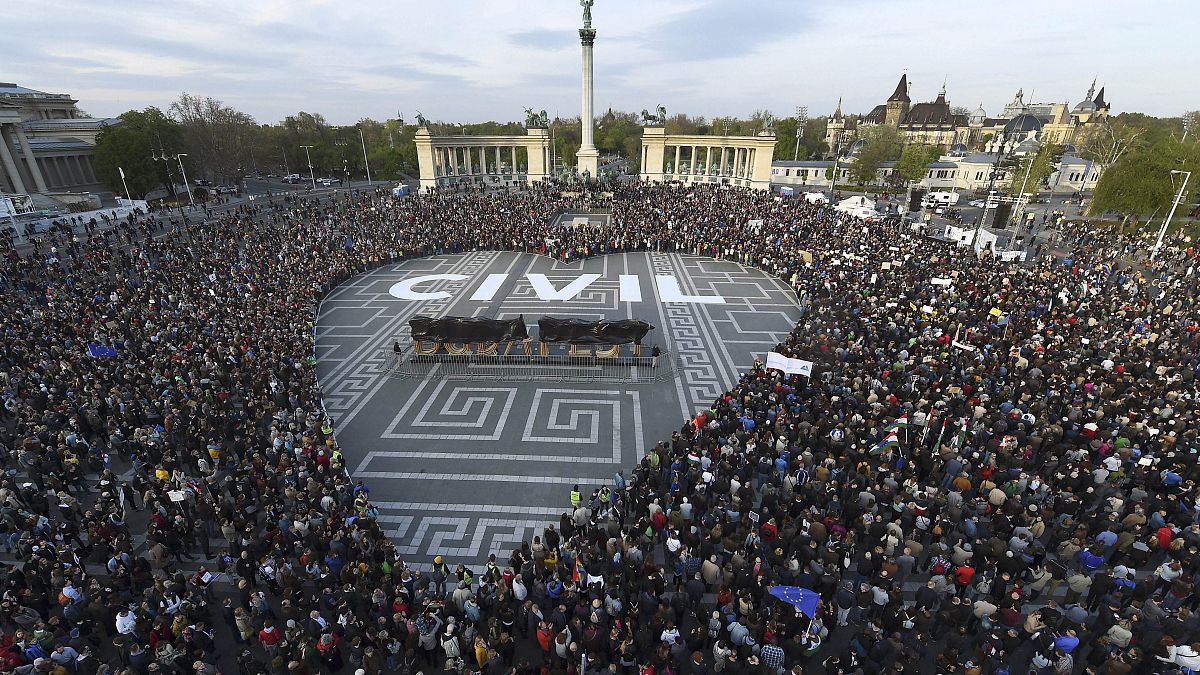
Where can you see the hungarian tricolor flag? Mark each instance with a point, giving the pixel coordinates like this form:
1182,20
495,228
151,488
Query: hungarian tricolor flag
890,440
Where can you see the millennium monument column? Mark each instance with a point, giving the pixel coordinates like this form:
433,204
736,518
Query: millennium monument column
587,155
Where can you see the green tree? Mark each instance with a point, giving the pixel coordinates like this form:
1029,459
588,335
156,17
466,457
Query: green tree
883,145
1039,165
914,160
1140,184
131,146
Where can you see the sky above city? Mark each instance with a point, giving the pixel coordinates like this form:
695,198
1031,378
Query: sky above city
477,60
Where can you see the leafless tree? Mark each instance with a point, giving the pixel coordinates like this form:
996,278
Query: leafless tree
1107,143
217,135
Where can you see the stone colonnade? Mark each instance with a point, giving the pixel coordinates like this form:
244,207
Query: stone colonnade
12,134
453,160
727,160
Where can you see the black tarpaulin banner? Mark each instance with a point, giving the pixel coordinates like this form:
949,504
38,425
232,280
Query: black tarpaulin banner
575,331
467,329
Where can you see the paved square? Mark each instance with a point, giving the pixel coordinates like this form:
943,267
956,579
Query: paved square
463,468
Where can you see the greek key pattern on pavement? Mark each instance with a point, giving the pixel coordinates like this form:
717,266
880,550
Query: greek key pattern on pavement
701,379
366,371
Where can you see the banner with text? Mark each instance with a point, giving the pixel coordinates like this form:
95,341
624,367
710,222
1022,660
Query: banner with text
790,366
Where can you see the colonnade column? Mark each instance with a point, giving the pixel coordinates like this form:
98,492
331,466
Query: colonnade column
60,168
676,167
34,169
10,165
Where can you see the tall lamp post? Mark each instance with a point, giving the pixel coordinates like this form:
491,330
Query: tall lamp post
311,175
801,122
991,200
162,156
1162,231
366,161
186,184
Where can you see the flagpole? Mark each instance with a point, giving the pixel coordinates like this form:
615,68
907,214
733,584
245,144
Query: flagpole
938,442
127,197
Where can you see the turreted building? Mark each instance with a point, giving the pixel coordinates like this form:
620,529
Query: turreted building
936,123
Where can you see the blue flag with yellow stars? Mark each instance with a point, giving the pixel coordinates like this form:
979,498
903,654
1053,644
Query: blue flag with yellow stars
803,599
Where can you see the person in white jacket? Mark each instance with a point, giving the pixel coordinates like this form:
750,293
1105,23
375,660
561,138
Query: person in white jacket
1186,656
126,622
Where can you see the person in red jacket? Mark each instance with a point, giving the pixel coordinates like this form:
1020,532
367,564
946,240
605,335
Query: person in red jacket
545,638
327,648
962,578
270,636
769,531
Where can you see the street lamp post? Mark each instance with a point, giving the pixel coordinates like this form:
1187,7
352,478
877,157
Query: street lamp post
991,200
801,122
187,186
1162,231
161,156
366,161
311,175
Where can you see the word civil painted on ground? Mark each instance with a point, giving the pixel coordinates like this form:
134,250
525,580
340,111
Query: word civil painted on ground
630,288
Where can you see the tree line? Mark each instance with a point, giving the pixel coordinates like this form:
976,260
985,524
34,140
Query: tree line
223,144
1136,152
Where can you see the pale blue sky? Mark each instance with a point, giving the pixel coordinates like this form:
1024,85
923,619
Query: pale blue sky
478,60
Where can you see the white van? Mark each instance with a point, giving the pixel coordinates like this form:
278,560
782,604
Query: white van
935,199
814,197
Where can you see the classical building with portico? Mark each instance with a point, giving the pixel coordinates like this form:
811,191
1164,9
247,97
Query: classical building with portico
47,143
449,161
694,158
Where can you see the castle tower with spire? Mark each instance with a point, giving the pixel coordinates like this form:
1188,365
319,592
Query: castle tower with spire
834,125
898,103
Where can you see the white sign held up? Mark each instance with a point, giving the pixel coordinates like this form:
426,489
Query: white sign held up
790,366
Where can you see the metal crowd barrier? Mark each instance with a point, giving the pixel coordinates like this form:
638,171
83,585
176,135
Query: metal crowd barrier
521,368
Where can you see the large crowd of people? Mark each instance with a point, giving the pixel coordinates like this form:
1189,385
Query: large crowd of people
992,469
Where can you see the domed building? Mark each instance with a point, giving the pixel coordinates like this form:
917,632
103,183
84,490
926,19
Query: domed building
978,117
971,140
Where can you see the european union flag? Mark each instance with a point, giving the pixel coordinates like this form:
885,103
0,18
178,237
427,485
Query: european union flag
803,599
100,351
